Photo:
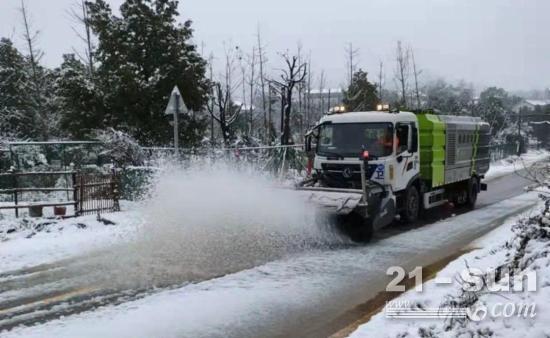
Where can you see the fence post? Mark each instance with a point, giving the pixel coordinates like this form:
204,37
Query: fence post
15,197
75,193
81,198
114,190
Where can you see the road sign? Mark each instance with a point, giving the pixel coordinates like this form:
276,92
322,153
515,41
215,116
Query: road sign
176,104
175,107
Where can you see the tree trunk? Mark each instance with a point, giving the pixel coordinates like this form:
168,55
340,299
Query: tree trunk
287,109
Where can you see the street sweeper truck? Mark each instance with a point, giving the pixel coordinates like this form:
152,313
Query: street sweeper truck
372,167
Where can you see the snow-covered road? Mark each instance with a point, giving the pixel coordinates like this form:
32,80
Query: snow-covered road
303,294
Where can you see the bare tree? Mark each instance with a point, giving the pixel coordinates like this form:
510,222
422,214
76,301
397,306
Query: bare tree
261,62
294,73
416,74
301,86
242,65
221,107
35,54
322,82
308,93
402,70
251,82
223,110
270,127
210,105
351,61
79,13
380,80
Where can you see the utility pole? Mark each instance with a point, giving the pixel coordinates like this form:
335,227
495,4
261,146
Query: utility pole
380,79
519,132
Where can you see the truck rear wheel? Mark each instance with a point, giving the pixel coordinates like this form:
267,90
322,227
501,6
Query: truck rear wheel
411,205
473,188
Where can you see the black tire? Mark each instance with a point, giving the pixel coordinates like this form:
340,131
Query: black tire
473,189
356,227
411,205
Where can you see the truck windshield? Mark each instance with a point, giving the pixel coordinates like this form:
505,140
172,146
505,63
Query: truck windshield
348,139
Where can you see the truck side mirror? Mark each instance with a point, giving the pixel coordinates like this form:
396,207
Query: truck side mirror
307,144
413,144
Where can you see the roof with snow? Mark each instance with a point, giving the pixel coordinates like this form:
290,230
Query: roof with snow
244,106
326,91
538,102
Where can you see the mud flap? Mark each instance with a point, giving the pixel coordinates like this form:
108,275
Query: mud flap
384,213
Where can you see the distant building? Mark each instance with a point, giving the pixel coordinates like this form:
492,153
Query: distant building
529,105
324,99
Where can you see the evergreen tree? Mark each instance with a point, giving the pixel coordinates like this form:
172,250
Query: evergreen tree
79,101
141,55
448,98
493,106
361,95
16,118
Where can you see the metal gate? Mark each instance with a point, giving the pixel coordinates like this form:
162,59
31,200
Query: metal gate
96,193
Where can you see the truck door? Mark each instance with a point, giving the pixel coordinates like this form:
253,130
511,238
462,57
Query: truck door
407,159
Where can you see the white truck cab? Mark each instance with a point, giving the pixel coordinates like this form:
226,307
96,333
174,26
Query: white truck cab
391,140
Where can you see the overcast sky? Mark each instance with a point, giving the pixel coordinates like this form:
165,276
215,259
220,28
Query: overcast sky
490,42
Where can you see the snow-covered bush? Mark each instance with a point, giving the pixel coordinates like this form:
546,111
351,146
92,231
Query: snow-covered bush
120,147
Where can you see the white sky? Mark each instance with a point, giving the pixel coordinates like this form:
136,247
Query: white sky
489,42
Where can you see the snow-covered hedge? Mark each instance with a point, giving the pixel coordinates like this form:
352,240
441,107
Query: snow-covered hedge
120,147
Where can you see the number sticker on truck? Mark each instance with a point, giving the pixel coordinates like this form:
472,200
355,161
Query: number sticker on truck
379,172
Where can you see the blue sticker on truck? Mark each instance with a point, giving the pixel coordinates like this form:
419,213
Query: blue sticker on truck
379,172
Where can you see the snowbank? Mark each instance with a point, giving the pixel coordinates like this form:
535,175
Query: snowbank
514,163
520,247
27,242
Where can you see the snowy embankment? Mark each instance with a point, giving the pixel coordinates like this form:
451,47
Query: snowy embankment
27,242
514,163
478,298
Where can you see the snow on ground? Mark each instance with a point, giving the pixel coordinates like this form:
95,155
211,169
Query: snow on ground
503,247
514,163
271,296
26,242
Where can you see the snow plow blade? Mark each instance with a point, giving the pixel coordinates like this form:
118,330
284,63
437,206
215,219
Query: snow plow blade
337,201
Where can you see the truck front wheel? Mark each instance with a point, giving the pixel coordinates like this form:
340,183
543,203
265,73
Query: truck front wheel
411,205
358,228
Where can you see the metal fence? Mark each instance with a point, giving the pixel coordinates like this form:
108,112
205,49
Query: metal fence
61,155
87,193
501,151
18,187
96,193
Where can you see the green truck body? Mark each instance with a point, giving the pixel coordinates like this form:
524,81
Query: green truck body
452,148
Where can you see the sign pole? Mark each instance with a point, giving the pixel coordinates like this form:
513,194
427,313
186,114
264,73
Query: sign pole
176,123
175,107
